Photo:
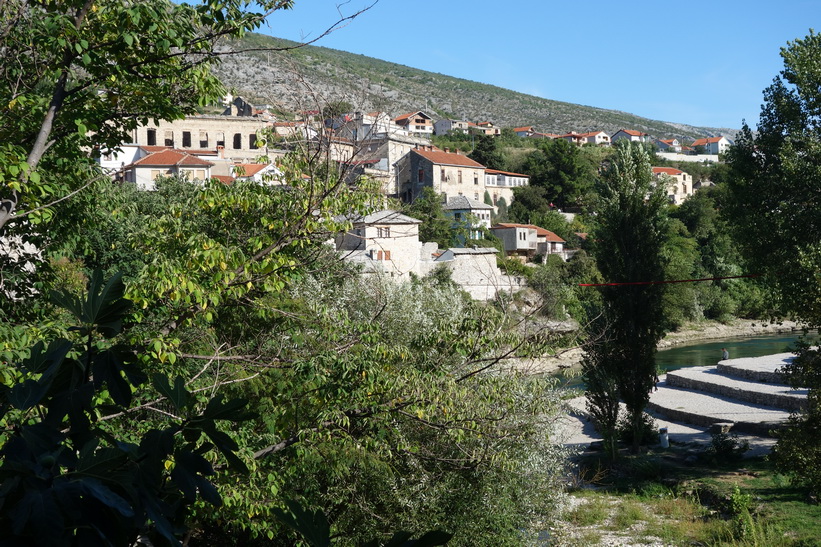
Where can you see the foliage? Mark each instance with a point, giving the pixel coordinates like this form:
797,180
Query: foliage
67,476
436,226
775,207
726,447
79,76
561,169
797,453
629,238
648,432
487,152
774,203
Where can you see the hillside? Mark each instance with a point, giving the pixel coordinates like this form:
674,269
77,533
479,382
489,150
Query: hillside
309,77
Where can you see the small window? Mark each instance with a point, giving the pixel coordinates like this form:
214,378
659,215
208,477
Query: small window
420,175
442,175
151,137
221,139
203,139
237,141
169,138
459,176
186,139
252,141
475,178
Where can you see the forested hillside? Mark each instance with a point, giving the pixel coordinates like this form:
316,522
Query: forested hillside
308,77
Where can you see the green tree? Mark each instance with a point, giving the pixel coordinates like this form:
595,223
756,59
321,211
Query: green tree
561,169
774,205
629,238
487,152
79,75
436,226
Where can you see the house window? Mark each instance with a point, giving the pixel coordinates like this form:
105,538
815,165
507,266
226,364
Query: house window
169,138
199,174
237,141
387,255
420,175
457,216
186,139
151,137
495,198
476,196
252,141
459,176
203,139
383,231
442,175
475,178
220,139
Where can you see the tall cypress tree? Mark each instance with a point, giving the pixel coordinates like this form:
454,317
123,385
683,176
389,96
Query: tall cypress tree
628,241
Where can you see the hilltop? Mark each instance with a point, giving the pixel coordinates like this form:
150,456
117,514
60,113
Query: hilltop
309,77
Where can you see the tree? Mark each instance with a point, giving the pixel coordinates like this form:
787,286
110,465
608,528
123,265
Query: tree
774,205
487,152
629,238
560,168
435,226
66,478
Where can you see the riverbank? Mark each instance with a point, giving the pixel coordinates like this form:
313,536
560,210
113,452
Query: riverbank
691,333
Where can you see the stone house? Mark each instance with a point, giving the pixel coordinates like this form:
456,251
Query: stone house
484,128
444,127
448,173
463,209
599,138
236,135
679,184
668,145
415,123
714,145
525,241
386,241
629,134
500,184
166,163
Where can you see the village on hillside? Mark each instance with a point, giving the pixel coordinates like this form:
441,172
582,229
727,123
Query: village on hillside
398,153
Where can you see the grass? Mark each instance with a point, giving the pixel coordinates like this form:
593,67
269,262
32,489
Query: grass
732,503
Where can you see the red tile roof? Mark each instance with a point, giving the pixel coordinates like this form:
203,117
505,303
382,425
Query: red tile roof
170,158
404,117
249,169
592,134
632,133
547,234
225,179
497,172
523,129
666,171
702,142
441,157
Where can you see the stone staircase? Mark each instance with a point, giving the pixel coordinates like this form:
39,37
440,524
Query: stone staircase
746,394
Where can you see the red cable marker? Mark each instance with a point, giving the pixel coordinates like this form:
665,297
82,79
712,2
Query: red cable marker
664,282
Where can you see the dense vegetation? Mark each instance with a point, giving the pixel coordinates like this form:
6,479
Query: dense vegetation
165,353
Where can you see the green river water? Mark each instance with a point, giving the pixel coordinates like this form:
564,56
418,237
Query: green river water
708,352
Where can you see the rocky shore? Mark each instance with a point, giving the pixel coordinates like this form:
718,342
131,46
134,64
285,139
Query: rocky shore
695,332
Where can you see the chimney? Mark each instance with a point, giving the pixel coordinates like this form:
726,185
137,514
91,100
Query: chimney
447,150
221,152
457,151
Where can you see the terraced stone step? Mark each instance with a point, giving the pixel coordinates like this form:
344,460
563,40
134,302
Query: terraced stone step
714,380
703,409
757,369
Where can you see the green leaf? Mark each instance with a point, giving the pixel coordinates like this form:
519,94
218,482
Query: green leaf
177,394
104,494
312,525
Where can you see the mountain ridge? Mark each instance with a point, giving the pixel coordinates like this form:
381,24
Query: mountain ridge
309,77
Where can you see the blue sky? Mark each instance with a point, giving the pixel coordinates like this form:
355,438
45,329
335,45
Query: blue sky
702,63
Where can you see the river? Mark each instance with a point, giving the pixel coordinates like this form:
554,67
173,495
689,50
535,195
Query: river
708,352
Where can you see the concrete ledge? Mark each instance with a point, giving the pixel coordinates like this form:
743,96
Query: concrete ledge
711,380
